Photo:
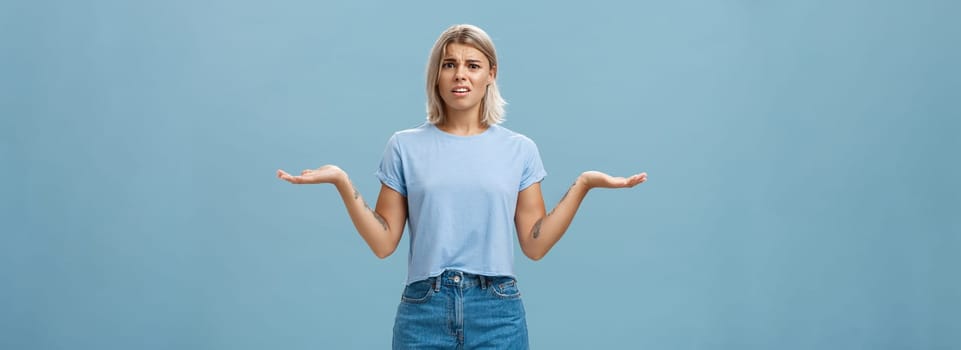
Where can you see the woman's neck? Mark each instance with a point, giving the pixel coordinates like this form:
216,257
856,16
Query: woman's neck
462,124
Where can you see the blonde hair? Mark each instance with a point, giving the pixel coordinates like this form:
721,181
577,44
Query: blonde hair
492,106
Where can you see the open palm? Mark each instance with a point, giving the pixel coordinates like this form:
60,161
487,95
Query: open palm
325,174
602,180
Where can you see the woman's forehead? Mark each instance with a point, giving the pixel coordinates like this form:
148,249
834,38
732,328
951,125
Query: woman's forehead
463,52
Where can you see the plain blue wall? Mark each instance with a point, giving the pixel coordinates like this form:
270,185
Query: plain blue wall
803,161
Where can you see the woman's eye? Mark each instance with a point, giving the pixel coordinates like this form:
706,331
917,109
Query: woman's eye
448,65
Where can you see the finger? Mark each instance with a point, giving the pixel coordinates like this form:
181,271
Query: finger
306,171
616,182
287,177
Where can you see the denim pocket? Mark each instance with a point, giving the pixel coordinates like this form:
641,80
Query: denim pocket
418,292
505,288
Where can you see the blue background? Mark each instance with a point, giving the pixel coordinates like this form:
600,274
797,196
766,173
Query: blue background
803,162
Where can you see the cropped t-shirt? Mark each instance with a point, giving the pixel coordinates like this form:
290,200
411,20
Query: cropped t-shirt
461,194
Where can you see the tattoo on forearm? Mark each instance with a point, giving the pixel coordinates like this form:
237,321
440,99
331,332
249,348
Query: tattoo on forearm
562,198
379,218
567,193
537,228
356,193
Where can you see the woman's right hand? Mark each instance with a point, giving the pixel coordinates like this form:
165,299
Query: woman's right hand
325,174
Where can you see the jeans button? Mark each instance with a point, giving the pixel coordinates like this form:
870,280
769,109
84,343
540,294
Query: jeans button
456,278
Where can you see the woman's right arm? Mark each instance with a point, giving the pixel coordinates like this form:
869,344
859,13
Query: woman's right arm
382,227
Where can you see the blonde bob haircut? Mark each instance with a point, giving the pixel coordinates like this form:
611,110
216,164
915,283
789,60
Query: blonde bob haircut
492,105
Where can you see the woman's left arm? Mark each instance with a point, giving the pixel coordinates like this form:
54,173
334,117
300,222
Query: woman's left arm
537,231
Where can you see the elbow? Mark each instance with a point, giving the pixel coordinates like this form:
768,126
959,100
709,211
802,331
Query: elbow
535,256
383,253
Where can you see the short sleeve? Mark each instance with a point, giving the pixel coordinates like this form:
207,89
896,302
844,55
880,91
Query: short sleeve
533,168
391,170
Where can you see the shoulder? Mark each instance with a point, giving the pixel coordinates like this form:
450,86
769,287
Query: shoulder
514,136
419,130
410,135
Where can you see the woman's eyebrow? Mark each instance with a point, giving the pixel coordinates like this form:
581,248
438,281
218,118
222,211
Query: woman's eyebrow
469,60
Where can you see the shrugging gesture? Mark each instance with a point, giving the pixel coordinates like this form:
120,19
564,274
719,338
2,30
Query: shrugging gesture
537,231
382,227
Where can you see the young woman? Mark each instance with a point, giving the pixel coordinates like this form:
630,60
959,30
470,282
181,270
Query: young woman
465,183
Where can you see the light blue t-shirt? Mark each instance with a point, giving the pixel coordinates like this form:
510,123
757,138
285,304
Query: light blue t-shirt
461,195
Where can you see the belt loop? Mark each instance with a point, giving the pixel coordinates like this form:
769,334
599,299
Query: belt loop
436,284
483,281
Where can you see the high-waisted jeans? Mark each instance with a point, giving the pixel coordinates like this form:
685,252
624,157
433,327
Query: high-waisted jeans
458,310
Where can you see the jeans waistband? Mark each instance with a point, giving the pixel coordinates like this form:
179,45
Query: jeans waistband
460,279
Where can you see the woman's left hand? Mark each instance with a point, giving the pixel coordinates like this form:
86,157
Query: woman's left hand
598,179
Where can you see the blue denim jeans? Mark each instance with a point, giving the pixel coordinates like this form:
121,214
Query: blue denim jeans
458,310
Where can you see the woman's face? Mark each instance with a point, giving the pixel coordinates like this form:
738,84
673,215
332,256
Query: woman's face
463,78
